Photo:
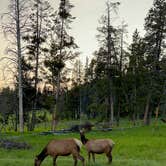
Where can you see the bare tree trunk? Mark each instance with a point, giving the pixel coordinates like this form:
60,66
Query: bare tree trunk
38,27
80,106
157,114
145,120
21,122
112,110
118,114
110,57
54,114
16,120
55,120
135,102
134,118
80,92
121,69
37,54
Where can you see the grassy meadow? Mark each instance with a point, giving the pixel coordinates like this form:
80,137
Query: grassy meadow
141,146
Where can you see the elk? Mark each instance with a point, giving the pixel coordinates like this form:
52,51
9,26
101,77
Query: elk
97,146
57,148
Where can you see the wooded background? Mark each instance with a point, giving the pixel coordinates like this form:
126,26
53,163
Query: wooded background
120,80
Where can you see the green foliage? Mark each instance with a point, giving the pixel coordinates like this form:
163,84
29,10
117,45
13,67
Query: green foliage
8,107
155,27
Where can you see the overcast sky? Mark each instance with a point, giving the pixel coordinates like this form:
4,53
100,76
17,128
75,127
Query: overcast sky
87,13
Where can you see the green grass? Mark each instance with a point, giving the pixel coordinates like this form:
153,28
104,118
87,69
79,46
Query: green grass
141,146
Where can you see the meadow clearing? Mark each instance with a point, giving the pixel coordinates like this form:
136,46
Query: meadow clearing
141,146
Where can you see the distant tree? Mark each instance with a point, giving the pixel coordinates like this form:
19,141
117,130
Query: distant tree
77,73
36,36
86,68
77,80
90,74
122,31
155,26
107,55
135,75
28,91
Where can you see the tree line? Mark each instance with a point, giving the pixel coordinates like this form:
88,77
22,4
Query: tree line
119,81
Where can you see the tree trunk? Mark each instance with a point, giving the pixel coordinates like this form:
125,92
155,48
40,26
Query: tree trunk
38,27
118,115
111,110
145,120
28,122
16,120
80,106
54,115
134,118
137,118
20,93
157,114
54,121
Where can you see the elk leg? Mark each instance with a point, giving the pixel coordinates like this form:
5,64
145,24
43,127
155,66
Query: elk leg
93,155
82,159
54,161
109,156
88,156
75,160
76,156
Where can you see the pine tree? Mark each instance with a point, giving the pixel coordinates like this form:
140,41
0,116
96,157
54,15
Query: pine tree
36,36
62,46
135,74
107,54
155,26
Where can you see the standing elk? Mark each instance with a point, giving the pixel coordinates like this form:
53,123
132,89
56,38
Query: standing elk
57,148
97,146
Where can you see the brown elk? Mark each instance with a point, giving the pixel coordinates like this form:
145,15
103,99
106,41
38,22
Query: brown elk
97,146
57,148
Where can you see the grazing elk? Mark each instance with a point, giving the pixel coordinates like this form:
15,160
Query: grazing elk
57,148
97,146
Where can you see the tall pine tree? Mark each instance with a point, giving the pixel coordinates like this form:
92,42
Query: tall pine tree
155,26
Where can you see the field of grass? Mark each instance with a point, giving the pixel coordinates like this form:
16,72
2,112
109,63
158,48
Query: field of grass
142,146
